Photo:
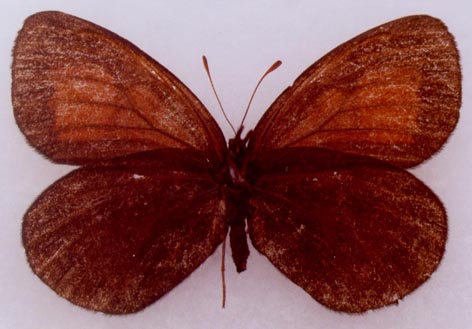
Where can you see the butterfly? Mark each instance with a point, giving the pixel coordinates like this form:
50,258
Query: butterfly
319,185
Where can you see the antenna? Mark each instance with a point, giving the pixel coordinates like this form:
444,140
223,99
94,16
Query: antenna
271,69
207,69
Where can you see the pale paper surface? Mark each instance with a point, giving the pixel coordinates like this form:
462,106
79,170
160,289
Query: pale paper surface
241,39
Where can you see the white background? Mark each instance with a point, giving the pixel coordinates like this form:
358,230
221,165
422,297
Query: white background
241,39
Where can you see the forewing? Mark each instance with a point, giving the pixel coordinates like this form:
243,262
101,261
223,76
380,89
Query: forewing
117,237
354,233
82,93
392,93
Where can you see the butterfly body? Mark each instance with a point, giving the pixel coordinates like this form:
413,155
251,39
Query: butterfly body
319,186
236,188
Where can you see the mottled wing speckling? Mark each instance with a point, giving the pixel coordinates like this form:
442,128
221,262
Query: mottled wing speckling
82,93
356,234
117,236
392,93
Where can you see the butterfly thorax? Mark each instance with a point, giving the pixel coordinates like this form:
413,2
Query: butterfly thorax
237,149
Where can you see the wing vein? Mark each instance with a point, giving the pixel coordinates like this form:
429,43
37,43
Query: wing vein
404,131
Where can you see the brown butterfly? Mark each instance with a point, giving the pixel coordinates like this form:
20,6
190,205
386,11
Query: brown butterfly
320,182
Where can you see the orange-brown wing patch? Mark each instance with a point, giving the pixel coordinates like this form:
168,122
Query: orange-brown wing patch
116,237
392,93
82,93
354,233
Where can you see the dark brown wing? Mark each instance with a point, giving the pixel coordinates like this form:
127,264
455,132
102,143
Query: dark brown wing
392,93
354,233
82,93
116,237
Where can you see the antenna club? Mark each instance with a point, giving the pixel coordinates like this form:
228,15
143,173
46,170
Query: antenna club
275,66
205,62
